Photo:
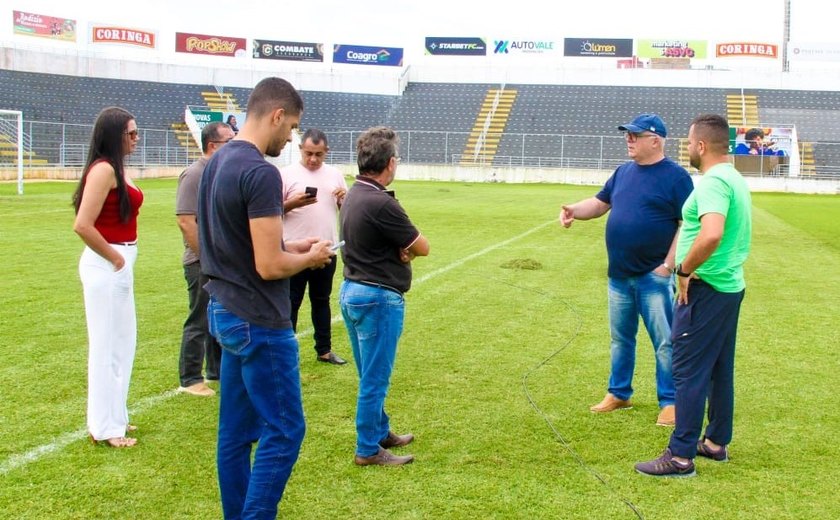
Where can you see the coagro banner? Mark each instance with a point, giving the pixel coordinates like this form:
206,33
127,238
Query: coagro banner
360,55
598,47
442,46
123,36
747,50
290,51
210,45
31,24
671,49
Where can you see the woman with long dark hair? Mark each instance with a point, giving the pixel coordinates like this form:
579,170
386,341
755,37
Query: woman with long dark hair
107,204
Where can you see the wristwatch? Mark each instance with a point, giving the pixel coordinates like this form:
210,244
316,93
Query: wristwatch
668,267
680,272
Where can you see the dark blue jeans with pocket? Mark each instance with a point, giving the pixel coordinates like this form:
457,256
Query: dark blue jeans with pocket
260,402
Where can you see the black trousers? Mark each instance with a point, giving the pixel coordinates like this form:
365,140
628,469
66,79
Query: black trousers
197,345
320,283
703,363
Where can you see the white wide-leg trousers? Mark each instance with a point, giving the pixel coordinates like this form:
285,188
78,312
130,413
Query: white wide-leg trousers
112,339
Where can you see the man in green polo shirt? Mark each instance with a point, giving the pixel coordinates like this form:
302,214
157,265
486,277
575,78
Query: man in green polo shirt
713,245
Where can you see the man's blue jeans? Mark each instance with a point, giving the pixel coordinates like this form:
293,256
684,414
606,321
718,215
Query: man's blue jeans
374,320
260,401
652,297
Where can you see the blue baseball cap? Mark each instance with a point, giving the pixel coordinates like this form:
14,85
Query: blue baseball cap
646,123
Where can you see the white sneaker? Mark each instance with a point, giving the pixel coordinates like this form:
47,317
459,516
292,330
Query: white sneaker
199,389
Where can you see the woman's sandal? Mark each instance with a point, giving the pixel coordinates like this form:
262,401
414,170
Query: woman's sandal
114,442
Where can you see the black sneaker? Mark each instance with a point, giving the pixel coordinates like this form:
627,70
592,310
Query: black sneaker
666,466
718,455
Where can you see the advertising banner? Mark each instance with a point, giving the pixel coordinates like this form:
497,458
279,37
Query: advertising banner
123,36
210,45
747,50
290,51
360,55
523,46
671,48
598,47
798,51
30,24
204,117
442,46
775,141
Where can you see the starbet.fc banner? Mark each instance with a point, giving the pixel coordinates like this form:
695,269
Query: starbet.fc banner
210,45
598,47
360,55
290,51
442,46
42,26
671,49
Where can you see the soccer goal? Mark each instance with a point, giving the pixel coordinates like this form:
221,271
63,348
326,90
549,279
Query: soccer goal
11,144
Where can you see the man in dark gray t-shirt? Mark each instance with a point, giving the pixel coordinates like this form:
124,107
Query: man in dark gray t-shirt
197,344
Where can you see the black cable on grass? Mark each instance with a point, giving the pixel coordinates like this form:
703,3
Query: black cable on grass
557,434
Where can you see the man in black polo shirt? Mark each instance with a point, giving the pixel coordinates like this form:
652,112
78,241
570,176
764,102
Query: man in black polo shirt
380,242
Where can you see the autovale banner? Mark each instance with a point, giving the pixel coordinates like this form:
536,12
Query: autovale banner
502,47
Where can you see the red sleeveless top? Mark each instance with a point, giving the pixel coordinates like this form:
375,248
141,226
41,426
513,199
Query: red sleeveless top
108,222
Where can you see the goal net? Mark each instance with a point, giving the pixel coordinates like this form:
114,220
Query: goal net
11,146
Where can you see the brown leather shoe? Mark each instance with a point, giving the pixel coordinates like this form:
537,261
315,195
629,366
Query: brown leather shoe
395,441
610,404
667,416
383,458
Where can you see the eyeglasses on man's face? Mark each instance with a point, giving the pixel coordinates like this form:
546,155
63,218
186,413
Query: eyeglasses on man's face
134,134
223,141
632,137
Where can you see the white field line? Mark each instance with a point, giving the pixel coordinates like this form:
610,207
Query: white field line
22,459
453,265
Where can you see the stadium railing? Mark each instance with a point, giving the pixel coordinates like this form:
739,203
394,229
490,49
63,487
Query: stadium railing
64,145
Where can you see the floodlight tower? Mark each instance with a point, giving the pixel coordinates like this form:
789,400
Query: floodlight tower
786,38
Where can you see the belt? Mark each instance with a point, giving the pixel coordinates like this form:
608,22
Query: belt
380,285
133,243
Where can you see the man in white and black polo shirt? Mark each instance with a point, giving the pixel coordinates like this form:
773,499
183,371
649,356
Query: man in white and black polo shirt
380,242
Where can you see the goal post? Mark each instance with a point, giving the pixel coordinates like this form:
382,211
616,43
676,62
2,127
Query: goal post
11,144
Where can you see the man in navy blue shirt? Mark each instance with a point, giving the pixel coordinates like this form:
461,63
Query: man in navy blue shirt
644,198
240,230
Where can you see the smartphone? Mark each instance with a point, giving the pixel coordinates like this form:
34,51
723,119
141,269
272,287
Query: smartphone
311,191
336,247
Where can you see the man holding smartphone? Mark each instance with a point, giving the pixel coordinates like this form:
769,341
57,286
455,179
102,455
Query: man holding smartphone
312,195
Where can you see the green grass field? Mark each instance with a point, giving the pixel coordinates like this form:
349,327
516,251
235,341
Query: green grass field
480,339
